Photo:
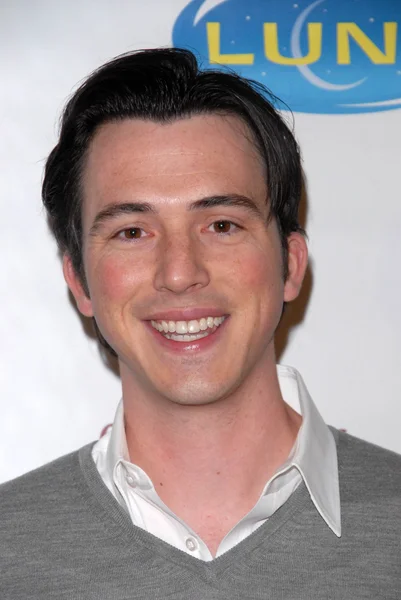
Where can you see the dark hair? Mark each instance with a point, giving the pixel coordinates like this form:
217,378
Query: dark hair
162,85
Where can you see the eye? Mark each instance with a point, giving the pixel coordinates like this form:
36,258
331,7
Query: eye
223,227
132,233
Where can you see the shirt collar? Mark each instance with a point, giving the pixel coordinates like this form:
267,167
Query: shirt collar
314,454
117,454
315,451
117,449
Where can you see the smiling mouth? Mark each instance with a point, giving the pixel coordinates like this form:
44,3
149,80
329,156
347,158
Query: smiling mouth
188,331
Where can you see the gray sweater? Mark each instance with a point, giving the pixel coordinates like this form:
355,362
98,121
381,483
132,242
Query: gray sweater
64,536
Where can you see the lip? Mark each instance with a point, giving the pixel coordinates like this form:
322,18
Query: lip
201,345
186,314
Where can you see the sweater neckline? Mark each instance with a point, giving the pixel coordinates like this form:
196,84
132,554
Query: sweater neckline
117,522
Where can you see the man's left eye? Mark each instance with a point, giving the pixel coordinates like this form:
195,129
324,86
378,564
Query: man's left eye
223,227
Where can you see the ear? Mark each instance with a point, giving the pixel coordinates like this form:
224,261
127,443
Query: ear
297,263
84,303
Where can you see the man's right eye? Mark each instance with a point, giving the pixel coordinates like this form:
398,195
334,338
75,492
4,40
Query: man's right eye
132,233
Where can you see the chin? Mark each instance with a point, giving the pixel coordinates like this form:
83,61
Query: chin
194,393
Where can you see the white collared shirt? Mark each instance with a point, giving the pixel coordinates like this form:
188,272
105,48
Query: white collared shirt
313,459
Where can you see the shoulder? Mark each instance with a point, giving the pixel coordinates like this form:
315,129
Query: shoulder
42,489
368,471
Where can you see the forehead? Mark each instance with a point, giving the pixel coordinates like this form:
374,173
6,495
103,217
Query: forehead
177,161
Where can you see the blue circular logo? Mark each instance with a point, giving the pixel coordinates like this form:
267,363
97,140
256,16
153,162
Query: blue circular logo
326,56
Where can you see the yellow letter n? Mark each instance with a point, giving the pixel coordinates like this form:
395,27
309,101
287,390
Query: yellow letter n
314,45
347,30
213,42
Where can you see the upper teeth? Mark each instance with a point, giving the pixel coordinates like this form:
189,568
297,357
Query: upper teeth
183,327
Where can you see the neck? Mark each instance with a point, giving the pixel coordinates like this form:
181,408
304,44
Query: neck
222,454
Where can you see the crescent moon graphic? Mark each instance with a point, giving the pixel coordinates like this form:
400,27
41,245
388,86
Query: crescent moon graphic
306,71
205,8
395,102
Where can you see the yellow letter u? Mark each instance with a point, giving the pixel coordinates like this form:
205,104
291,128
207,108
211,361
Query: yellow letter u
272,52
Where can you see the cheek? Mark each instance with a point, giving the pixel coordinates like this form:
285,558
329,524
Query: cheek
257,282
257,273
114,278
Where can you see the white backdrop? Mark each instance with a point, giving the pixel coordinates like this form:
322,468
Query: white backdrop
56,394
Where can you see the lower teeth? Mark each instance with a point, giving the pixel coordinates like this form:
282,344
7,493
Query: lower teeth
186,337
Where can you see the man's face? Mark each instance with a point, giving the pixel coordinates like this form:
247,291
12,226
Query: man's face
184,270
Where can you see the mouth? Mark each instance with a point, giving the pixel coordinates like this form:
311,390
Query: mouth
188,331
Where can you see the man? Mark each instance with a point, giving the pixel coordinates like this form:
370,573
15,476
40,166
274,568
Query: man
173,194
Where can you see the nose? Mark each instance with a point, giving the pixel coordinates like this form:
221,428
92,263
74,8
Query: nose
181,264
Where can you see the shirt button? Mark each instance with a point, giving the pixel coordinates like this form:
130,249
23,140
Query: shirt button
191,544
132,480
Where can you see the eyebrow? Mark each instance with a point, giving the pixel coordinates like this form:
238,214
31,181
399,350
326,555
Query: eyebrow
116,210
228,200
